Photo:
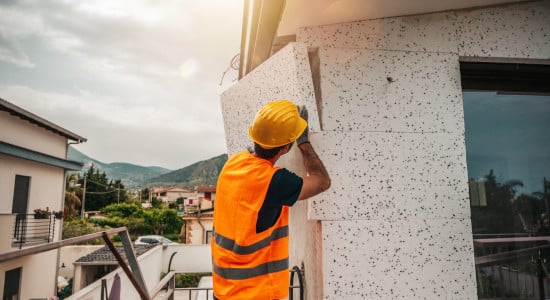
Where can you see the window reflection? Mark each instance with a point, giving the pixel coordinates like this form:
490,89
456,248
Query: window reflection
508,157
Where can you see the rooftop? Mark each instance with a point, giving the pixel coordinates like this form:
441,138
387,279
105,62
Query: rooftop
34,119
105,256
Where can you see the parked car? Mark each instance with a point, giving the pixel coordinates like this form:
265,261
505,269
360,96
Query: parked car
152,239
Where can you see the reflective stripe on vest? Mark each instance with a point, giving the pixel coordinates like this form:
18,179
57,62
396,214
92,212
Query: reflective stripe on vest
230,244
246,273
247,264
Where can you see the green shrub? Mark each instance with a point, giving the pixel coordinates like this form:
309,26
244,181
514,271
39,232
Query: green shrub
184,280
77,227
123,210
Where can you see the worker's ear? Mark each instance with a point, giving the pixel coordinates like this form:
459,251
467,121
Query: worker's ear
286,149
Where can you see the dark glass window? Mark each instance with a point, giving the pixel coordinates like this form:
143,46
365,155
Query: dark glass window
507,133
508,156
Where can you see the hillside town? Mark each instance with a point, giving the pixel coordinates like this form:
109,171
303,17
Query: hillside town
431,120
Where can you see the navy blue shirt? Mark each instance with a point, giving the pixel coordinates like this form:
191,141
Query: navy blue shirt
284,189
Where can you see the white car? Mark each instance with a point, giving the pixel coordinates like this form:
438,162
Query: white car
152,240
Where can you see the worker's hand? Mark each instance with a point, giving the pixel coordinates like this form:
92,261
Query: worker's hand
303,138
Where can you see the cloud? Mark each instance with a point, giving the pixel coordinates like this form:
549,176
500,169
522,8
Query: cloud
10,51
117,72
143,135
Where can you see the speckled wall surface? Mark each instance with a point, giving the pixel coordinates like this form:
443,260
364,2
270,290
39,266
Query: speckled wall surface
396,222
286,75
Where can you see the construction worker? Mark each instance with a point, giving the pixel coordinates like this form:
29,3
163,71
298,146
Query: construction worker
253,196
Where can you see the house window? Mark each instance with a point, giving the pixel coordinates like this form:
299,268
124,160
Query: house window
20,194
507,133
208,236
12,284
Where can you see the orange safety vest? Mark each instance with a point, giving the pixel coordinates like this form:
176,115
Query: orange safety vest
246,264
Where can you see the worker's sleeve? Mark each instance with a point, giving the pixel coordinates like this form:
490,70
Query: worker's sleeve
284,189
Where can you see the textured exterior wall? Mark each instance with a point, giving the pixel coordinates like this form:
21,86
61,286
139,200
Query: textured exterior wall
38,274
286,75
396,222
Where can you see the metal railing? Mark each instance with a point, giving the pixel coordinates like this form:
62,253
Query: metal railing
300,273
166,290
29,230
516,274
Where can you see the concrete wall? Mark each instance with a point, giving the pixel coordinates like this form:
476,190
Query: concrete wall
38,277
46,184
69,254
396,221
38,274
287,75
46,190
150,264
188,258
24,134
195,233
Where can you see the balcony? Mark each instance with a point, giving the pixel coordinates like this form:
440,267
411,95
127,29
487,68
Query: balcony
25,230
513,267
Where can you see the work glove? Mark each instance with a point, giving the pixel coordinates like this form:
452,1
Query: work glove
303,138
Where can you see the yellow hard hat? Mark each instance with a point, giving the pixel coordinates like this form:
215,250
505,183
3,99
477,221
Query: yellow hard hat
276,124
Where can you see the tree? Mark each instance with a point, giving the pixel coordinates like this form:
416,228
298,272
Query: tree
163,220
144,194
498,216
72,201
123,210
100,191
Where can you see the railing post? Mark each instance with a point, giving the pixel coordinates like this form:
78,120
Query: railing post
50,226
540,276
297,270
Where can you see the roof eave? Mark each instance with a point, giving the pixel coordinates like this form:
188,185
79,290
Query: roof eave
34,119
260,24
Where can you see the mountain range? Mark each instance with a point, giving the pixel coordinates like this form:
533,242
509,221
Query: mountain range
137,177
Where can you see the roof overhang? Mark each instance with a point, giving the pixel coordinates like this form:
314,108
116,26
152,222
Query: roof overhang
34,119
268,25
20,152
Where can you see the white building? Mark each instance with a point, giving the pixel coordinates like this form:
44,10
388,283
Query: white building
33,162
384,84
198,216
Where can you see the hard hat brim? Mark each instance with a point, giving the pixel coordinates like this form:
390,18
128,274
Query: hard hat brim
301,128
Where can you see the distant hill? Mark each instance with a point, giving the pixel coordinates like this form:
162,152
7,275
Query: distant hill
201,173
132,176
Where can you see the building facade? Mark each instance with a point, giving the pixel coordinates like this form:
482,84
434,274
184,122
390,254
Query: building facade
33,163
385,101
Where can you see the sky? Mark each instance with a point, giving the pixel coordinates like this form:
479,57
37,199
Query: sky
140,79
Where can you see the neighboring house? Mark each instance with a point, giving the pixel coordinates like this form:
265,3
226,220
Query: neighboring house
203,199
207,192
198,226
385,84
93,266
198,215
171,194
33,165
